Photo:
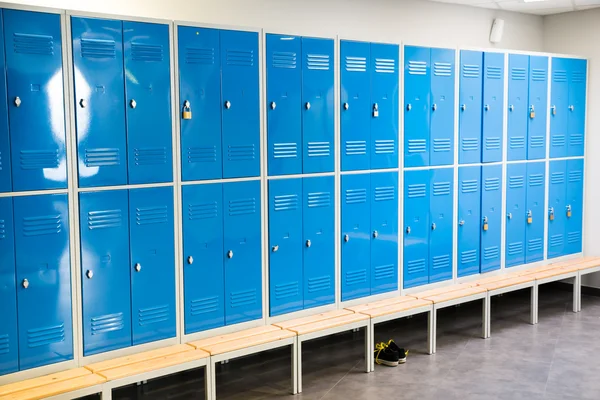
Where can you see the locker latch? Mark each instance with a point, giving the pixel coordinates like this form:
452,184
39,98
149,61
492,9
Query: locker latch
532,112
190,260
572,107
509,215
461,222
187,110
346,238
408,230
89,274
307,105
569,213
17,101
375,234
273,249
434,107
308,243
486,107
25,283
138,267
133,103
529,217
408,107
463,107
273,105
485,223
346,106
230,254
551,214
433,226
553,108
228,104
375,110
511,107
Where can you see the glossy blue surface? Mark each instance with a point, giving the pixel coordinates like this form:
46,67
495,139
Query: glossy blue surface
518,107
417,98
516,197
557,206
441,198
470,110
442,97
491,208
5,173
469,211
538,102
416,228
493,107
577,97
536,192
575,200
9,345
559,107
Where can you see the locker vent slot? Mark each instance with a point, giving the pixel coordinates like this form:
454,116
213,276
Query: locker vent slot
105,219
285,150
203,211
241,152
240,58
538,75
417,190
198,55
558,140
202,154
470,71
286,290
468,256
204,306
557,240
107,323
285,202
515,248
385,271
470,144
0,161
491,253
536,141
469,186
417,68
441,145
557,178
356,277
559,75
150,156
318,284
153,315
491,184
4,344
440,262
492,143
575,176
25,43
146,52
515,182
39,159
2,229
516,142
245,298
385,65
45,336
319,149
578,76
355,64
416,266
518,74
98,48
385,146
417,145
442,69
356,196
441,188
284,59
242,206
319,199
151,215
102,157
534,245
574,237
42,225
356,147
492,72
536,180
575,139
385,193
318,62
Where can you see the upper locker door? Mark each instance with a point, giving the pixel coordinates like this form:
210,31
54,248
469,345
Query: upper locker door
441,210
518,107
442,107
317,105
516,214
559,107
241,107
577,97
416,228
469,220
152,242
469,128
557,208
535,209
575,206
99,101
44,280
355,103
417,92
9,345
538,106
493,107
491,217
36,109
5,173
148,98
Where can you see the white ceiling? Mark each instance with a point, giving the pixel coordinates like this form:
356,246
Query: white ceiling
545,7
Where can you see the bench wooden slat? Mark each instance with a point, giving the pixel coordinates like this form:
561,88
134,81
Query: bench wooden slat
511,281
495,278
43,380
551,273
536,270
140,357
245,342
442,290
381,303
54,389
327,324
589,264
456,294
394,308
202,343
312,319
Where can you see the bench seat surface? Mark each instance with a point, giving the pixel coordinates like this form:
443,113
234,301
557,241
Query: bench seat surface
395,308
243,339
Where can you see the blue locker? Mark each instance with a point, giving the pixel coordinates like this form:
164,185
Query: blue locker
577,93
105,276
557,208
99,101
356,107
152,243
317,105
516,214
442,107
538,100
203,257
319,242
441,212
491,214
518,107
148,102
417,96
535,208
384,232
9,346
575,205
559,107
469,220
493,107
285,243
356,236
242,248
469,127
240,102
44,280
5,173
416,228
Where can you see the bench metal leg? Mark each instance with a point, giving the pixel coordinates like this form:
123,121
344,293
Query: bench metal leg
211,380
295,366
533,315
372,346
368,351
106,393
577,293
431,330
487,316
299,359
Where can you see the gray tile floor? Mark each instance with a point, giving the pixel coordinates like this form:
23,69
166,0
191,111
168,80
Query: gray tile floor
556,359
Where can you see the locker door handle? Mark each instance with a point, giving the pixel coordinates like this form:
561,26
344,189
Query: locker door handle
25,283
408,107
434,107
461,222
375,110
228,104
375,234
82,103
273,105
553,109
346,238
307,105
572,107
486,107
511,107
463,107
569,211
89,274
190,260
138,267
551,214
408,230
308,243
17,101
230,254
346,106
273,249
133,103
433,226
509,215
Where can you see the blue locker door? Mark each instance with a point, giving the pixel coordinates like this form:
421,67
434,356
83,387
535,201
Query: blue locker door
469,220
416,228
105,277
99,101
240,103
356,236
493,107
518,107
43,280
442,107
9,353
516,214
285,244
538,103
491,213
319,241
577,93
441,212
417,92
536,193
557,205
242,248
575,204
469,128
355,103
5,173
317,105
203,257
152,264
148,97
559,107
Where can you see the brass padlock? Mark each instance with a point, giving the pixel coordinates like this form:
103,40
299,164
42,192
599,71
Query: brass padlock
569,213
485,223
532,112
529,217
551,215
187,110
375,110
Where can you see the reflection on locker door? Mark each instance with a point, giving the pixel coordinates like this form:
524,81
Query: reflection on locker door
242,249
577,92
442,107
356,240
516,214
9,356
559,107
417,92
538,100
518,109
441,198
535,211
557,208
99,101
152,242
148,102
35,100
106,282
203,257
44,280
493,107
5,173
574,209
469,128
491,217
319,243
285,244
469,220
416,228
241,115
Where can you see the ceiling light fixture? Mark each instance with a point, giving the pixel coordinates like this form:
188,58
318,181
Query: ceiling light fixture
532,1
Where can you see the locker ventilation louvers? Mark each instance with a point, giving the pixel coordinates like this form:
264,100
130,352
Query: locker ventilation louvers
318,62
469,186
98,48
470,71
42,225
559,76
439,146
107,323
470,144
355,64
240,58
286,290
146,52
417,145
558,140
356,277
285,150
441,188
202,211
417,68
242,206
534,245
284,59
318,284
575,176
4,344
105,219
492,143
417,190
245,298
536,141
319,199
286,202
150,156
355,147
319,149
538,75
153,315
515,182
491,184
202,154
515,248
44,336
491,253
151,215
442,69
385,146
356,196
575,139
39,159
385,271
102,157
2,229
441,262
385,193
557,177
204,306
578,76
516,142
241,152
198,55
492,72
518,74
557,240
536,179
416,266
26,43
573,237
385,65
469,256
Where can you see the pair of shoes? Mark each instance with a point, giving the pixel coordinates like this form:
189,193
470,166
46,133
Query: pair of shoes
389,354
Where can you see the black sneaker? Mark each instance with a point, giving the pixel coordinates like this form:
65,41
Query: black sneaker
401,352
384,355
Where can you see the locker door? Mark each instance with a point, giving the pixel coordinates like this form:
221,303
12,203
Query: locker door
471,81
319,242
416,228
285,244
417,92
356,236
577,93
441,210
148,98
518,108
538,103
355,102
516,217
384,104
199,55
152,242
203,257
575,204
442,107
536,192
44,280
317,105
106,282
469,220
491,212
241,108
559,107
557,204
5,173
242,248
9,353
493,107
99,101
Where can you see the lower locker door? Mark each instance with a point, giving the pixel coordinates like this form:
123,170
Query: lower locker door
440,234
536,212
416,228
9,350
557,208
516,214
575,205
469,220
491,217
